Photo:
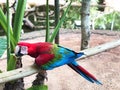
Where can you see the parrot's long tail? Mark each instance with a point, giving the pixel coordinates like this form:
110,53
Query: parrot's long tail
84,73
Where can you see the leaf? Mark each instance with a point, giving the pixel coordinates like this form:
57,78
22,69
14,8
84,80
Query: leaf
17,26
0,71
38,87
59,24
11,63
16,31
3,23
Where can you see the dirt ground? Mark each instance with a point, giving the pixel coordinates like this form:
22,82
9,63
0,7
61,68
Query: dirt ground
105,66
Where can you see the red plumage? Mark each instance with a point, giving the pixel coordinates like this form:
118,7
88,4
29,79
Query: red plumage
86,72
43,59
34,50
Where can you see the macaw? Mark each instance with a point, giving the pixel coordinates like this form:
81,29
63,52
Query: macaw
49,56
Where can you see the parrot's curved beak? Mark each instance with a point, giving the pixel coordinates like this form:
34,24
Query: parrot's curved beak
17,50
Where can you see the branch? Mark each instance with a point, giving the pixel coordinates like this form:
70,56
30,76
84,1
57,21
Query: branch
27,71
99,49
18,73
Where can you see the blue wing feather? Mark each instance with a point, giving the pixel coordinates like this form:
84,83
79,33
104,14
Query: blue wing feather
68,56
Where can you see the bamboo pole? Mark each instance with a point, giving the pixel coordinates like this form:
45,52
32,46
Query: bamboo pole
18,73
98,49
27,71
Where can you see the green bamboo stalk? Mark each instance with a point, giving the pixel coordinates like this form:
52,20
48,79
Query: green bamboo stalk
59,23
47,21
18,19
8,32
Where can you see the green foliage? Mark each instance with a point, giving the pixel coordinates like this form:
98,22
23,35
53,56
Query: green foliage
72,15
14,35
11,63
3,24
0,71
18,19
60,23
106,21
17,30
41,87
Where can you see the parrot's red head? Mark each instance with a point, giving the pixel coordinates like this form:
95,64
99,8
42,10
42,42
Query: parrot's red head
21,49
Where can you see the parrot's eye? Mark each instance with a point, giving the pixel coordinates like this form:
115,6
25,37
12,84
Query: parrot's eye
24,50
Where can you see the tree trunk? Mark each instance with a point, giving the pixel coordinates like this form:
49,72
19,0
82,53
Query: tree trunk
85,24
40,78
17,84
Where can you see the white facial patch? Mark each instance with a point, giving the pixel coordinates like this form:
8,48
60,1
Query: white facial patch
24,50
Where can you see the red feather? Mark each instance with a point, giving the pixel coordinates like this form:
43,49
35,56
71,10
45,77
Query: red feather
86,72
35,49
43,59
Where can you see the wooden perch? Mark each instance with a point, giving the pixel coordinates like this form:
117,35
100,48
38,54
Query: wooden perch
18,73
26,71
99,49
